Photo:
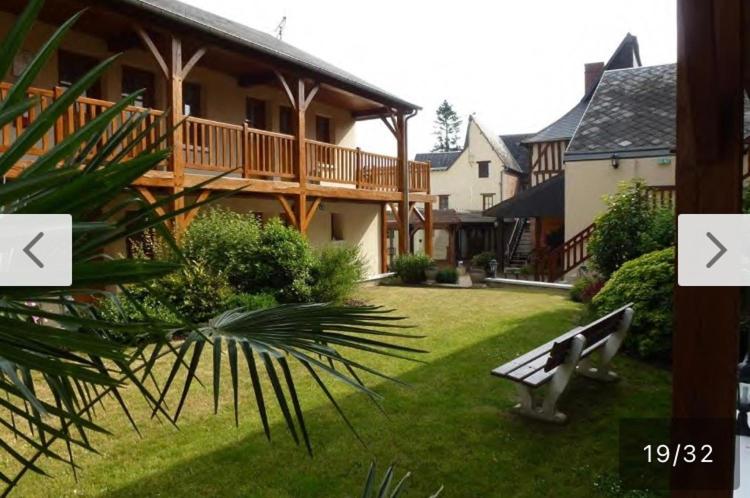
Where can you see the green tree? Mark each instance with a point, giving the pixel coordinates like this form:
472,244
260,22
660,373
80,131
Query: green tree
447,125
59,358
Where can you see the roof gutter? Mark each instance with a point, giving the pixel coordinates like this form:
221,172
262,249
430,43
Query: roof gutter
620,154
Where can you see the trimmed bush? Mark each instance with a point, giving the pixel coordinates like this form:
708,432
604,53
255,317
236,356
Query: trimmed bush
272,258
648,282
336,273
195,292
226,242
282,262
411,268
447,276
630,227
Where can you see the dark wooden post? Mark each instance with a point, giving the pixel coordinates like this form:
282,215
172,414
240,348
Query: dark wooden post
709,170
429,231
403,168
383,238
500,245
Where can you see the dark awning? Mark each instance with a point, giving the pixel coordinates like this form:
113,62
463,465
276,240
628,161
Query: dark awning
546,199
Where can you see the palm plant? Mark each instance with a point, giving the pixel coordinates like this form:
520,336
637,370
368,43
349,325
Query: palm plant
59,359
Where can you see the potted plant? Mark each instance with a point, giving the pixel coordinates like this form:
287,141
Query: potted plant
480,265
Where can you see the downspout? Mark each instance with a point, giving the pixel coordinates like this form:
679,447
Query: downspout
405,172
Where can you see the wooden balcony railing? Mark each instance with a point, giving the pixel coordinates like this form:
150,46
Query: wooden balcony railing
219,147
553,264
83,111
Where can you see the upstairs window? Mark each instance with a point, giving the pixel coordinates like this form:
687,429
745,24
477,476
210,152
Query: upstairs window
134,79
73,67
484,169
488,200
286,120
192,99
443,201
323,129
255,113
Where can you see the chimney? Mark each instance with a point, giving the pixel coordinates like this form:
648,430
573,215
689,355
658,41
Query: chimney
593,72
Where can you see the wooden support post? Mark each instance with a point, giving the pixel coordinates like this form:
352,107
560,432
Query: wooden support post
708,180
383,238
301,208
501,244
429,232
177,160
403,167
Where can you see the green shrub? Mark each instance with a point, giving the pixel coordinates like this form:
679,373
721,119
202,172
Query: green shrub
648,283
411,268
630,227
250,302
282,262
336,273
269,259
121,308
585,288
482,260
196,292
447,276
226,242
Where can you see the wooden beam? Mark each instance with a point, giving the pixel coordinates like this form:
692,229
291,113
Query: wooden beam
177,159
300,150
151,199
151,46
301,207
383,238
192,62
311,95
396,214
191,215
287,89
708,180
287,209
311,212
389,125
376,113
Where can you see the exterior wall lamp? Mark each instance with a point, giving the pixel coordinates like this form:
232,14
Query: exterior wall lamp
615,161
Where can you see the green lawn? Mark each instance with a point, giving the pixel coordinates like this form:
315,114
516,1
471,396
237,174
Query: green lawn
451,428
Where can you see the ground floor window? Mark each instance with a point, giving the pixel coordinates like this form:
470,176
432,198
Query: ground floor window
488,200
443,201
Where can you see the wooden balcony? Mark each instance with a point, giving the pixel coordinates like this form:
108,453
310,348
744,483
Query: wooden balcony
264,160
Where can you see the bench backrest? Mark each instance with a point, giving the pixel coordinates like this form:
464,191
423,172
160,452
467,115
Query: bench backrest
593,332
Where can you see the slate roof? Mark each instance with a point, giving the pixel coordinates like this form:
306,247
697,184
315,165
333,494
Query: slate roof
546,199
439,161
632,110
228,30
520,153
626,55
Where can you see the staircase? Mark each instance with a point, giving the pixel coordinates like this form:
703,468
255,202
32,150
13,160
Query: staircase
519,255
553,264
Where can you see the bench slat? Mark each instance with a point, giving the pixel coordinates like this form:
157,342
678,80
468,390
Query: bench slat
541,376
532,355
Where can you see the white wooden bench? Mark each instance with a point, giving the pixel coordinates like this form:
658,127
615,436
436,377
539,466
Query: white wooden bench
555,362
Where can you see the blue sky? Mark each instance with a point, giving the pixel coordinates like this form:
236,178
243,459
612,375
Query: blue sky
517,64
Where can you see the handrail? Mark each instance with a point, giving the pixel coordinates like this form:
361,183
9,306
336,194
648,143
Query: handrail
515,238
554,263
218,146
